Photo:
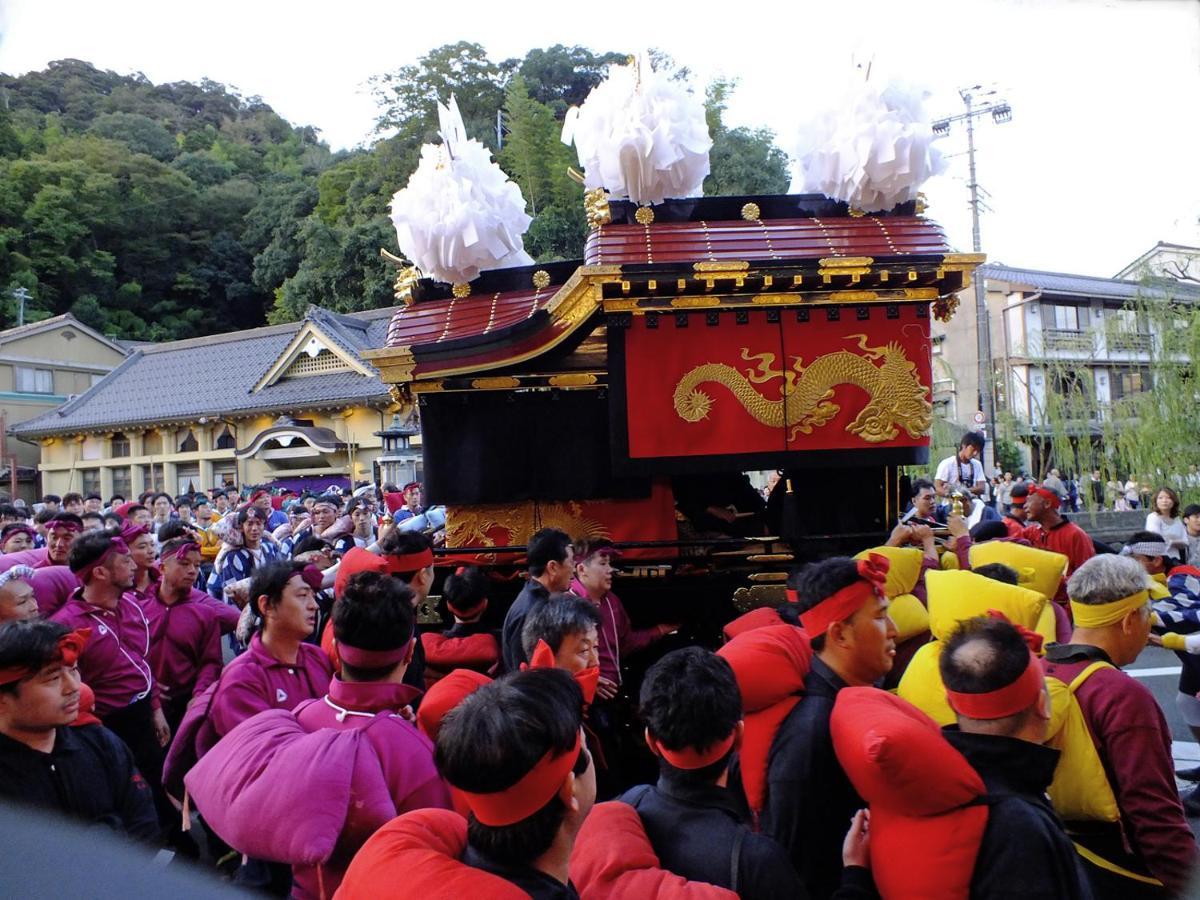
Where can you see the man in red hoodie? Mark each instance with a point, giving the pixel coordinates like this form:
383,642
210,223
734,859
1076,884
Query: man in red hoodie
1050,531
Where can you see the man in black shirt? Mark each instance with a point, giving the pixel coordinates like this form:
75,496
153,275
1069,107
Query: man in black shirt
551,567
700,828
84,771
514,749
996,687
809,798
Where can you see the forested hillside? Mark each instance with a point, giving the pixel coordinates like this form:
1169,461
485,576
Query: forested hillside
160,211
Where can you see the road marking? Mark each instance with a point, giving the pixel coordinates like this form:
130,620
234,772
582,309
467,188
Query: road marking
1154,673
1185,750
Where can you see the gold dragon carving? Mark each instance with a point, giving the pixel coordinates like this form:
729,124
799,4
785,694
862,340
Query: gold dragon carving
897,397
474,526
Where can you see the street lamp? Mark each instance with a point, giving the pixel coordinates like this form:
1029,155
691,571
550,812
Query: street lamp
979,103
398,462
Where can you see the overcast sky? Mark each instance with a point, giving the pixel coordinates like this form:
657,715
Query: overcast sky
1100,161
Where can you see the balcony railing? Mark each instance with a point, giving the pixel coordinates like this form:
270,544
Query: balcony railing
1130,342
1062,339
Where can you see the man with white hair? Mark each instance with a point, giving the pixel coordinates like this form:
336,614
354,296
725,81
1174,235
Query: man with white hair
1149,851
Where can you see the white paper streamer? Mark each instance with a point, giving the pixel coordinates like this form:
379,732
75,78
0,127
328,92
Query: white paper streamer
873,149
459,215
641,136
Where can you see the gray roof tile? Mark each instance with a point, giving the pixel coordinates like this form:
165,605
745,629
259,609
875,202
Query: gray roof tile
1087,285
183,380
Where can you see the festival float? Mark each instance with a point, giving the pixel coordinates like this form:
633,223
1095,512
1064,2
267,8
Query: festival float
699,338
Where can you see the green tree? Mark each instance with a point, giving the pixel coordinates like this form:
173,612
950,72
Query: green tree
742,160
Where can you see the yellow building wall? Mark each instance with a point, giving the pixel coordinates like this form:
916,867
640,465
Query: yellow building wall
65,469
61,350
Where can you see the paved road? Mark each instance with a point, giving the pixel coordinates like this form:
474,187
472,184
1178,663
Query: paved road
1158,669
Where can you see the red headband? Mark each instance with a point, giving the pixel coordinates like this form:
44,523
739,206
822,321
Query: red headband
70,645
19,529
588,679
313,577
410,562
841,605
182,550
373,659
63,525
527,796
690,758
1011,699
131,531
115,548
792,596
1018,500
1046,494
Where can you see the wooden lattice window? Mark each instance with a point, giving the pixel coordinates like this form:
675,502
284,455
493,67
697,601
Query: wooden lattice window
324,363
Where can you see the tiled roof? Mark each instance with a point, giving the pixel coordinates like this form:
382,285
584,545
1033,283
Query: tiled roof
775,239
1087,285
214,375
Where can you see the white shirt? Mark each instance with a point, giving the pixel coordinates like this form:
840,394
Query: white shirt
953,471
1174,532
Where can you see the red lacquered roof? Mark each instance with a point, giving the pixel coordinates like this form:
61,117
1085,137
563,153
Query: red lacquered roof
431,323
781,239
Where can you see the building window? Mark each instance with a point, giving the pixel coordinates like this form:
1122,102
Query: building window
122,482
226,440
35,381
189,444
152,444
152,478
224,474
119,446
90,480
188,478
1127,382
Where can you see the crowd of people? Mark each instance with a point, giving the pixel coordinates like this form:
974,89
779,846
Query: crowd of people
241,678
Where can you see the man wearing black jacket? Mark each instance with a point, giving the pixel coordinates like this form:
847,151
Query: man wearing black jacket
699,828
996,687
82,771
809,799
551,566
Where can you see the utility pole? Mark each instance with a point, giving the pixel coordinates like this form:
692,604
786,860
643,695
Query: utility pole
1000,112
20,294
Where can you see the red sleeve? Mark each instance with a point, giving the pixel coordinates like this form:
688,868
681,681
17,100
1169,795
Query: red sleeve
1082,549
631,640
1137,750
236,701
614,859
962,551
209,660
927,563
227,614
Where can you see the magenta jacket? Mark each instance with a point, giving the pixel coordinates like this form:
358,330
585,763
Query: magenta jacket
326,777
53,587
257,681
185,643
618,638
115,663
37,558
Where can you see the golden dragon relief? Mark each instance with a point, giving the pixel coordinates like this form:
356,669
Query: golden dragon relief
468,526
897,397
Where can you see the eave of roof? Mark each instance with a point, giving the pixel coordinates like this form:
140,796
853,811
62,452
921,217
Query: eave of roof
1063,283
